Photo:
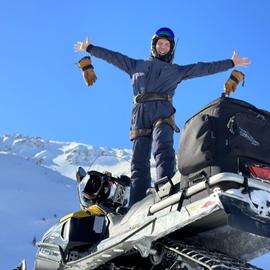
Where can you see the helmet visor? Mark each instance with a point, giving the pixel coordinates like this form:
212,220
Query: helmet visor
165,32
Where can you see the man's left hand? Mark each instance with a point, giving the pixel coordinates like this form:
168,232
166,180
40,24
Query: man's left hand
240,61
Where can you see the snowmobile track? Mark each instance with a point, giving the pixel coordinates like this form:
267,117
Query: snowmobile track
200,259
176,255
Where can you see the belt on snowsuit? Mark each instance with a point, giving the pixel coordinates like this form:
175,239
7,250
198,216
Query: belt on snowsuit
147,97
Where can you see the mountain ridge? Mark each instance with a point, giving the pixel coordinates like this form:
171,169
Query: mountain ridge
65,157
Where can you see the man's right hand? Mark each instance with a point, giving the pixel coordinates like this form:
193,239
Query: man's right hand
81,46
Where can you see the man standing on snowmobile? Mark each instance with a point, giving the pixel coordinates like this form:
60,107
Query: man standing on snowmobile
154,82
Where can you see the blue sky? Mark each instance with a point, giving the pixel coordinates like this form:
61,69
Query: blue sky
43,93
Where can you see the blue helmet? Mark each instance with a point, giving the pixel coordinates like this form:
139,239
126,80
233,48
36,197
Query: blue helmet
168,34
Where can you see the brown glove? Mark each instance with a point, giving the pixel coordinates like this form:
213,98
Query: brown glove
85,64
235,78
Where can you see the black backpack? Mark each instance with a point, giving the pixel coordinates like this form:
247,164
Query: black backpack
225,136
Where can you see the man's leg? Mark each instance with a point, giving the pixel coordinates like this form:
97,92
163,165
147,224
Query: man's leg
140,168
163,150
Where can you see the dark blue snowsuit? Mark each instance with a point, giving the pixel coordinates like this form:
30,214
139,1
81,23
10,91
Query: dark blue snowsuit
154,76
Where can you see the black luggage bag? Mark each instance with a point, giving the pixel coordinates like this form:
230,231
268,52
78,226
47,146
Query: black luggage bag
225,136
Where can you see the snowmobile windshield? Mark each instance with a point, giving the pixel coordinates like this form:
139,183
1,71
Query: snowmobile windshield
85,202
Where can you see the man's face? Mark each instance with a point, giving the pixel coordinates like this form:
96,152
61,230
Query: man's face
163,46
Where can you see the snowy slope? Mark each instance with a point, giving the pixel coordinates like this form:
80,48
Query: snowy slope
32,199
38,187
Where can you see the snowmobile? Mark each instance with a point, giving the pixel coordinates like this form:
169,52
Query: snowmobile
213,214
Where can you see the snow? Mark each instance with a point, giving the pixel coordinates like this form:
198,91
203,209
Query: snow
65,157
32,199
38,187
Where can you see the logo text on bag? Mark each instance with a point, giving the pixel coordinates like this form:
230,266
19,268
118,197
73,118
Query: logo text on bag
244,133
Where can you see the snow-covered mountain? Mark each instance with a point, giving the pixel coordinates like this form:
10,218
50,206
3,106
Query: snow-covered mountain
37,187
64,157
